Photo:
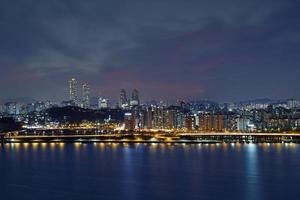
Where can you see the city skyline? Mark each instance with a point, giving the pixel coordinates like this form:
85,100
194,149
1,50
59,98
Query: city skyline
80,93
140,99
195,50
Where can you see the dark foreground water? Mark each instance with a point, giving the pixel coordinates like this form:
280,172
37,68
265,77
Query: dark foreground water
149,171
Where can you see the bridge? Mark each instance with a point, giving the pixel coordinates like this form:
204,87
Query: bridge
152,137
244,137
94,135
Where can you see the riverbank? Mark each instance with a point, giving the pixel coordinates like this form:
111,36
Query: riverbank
161,138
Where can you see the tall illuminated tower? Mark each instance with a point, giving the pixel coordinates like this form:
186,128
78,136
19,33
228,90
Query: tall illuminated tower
86,95
123,101
135,99
73,91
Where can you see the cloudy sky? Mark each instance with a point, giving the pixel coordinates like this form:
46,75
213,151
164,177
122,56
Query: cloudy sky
168,49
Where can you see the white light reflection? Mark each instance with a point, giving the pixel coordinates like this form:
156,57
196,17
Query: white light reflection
252,172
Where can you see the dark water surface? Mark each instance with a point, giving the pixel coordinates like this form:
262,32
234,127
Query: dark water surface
149,171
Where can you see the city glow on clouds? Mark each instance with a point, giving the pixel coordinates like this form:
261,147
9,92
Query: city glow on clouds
166,49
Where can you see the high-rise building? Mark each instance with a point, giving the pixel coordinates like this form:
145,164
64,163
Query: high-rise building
242,124
86,95
206,122
171,119
73,91
158,117
210,122
189,123
293,103
103,103
123,101
149,118
218,123
129,121
135,99
11,108
180,120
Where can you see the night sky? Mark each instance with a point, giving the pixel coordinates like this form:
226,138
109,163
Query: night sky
167,49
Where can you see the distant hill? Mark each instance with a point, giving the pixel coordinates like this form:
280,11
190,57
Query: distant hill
77,114
262,101
9,124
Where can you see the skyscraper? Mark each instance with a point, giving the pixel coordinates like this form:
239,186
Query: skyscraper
86,95
73,91
123,101
135,100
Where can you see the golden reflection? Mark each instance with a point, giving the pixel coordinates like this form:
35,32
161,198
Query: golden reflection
265,146
17,146
25,145
162,147
52,145
35,145
77,145
102,146
137,144
212,147
14,146
44,145
114,146
61,145
125,144
278,147
225,146
153,147
238,146
292,145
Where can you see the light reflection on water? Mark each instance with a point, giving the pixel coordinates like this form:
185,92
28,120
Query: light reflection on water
251,147
154,147
253,191
150,171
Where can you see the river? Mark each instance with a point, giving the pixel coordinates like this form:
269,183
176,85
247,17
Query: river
149,171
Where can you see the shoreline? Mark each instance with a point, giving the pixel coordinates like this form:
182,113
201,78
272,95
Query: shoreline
114,141
186,138
140,142
11,141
